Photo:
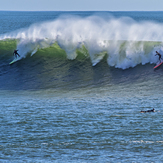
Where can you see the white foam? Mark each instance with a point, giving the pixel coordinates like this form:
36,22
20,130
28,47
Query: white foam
115,36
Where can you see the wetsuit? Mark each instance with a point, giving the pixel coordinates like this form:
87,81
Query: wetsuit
16,53
157,53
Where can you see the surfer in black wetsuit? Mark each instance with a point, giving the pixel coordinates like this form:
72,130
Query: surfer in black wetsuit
153,110
16,53
157,53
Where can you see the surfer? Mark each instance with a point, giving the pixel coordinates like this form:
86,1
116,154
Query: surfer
153,110
157,53
16,53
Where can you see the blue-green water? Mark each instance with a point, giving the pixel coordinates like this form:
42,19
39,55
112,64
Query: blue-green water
77,91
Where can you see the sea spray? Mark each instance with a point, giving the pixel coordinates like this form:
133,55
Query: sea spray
125,42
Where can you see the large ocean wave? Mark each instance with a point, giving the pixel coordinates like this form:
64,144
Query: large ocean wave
125,42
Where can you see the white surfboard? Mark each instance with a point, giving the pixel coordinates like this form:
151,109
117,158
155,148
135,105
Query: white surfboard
15,60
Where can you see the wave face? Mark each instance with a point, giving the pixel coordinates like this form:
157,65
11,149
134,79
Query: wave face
53,47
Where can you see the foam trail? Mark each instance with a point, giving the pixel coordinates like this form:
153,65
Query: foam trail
125,41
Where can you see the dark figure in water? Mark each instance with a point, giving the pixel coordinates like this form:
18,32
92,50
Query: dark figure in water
157,53
153,110
16,53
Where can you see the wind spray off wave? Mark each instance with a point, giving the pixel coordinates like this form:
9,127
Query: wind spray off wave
125,42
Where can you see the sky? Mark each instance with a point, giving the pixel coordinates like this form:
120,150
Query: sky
81,5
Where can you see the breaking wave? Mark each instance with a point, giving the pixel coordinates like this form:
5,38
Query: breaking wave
125,42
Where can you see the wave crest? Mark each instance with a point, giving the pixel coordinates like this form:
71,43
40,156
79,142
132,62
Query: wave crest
124,41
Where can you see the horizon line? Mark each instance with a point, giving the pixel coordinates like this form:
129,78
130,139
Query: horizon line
83,10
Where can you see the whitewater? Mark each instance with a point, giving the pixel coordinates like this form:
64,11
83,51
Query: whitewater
124,41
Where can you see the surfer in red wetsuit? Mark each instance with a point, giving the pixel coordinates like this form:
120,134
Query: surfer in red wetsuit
16,53
157,53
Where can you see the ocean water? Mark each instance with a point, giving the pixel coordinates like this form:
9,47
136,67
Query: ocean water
76,92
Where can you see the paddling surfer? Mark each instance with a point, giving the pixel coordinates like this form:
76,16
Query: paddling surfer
153,110
16,53
157,53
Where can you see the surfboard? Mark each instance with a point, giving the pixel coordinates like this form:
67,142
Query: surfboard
158,65
15,60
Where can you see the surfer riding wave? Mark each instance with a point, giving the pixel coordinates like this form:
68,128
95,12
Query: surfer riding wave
157,53
15,53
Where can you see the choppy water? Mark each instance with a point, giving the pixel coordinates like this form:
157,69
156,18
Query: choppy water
77,91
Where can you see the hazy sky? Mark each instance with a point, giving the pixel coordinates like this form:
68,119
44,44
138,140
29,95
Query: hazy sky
81,5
